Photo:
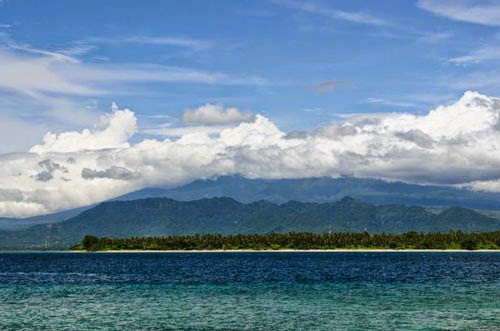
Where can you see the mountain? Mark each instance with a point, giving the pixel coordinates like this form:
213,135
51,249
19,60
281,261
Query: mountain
324,189
162,216
15,224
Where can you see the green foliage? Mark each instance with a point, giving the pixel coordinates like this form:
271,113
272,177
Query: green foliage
469,244
90,243
166,217
304,240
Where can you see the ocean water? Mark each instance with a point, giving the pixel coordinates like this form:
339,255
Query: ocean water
250,291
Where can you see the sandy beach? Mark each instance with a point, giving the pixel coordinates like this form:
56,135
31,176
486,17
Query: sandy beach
301,251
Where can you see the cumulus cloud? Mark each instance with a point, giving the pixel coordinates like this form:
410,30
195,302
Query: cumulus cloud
10,195
178,131
122,125
48,169
216,114
43,176
458,144
416,136
112,173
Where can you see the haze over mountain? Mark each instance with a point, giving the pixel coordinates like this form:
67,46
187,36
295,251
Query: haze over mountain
162,216
324,189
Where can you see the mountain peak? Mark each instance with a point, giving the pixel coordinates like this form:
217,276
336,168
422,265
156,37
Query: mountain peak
348,200
161,217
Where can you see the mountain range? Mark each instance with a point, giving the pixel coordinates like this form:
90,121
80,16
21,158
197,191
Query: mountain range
323,189
163,216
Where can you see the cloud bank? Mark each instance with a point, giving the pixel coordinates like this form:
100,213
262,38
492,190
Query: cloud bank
458,144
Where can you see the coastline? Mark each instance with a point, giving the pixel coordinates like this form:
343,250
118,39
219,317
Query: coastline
201,251
382,250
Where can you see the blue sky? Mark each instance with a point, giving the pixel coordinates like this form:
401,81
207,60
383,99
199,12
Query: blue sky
101,98
299,63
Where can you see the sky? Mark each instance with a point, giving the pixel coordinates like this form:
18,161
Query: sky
98,99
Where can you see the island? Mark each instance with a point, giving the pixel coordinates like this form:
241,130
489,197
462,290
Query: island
453,240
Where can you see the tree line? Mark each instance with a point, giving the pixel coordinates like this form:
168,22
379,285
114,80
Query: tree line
302,241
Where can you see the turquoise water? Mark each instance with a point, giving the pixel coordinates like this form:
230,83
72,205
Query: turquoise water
250,291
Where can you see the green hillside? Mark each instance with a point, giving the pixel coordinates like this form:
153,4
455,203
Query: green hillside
162,217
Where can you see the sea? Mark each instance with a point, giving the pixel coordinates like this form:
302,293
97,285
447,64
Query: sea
250,291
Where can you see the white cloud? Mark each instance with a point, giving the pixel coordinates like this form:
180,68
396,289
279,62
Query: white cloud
30,74
479,79
37,70
41,86
178,131
314,8
479,12
435,37
488,53
457,144
393,103
195,44
216,114
121,126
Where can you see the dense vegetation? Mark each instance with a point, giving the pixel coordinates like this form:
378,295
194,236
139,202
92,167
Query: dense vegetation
276,241
166,217
322,189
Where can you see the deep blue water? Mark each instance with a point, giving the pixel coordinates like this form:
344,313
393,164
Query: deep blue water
250,291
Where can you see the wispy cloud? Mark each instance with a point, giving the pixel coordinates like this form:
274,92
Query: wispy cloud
57,55
329,86
31,70
183,42
474,80
430,98
39,72
137,73
392,103
46,86
435,37
488,53
482,12
77,50
349,16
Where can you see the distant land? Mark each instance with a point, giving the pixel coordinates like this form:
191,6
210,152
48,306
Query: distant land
323,189
166,217
298,241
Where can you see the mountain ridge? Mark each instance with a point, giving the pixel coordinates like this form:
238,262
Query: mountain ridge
319,189
165,216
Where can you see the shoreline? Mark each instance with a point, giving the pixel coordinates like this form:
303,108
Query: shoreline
382,250
202,251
